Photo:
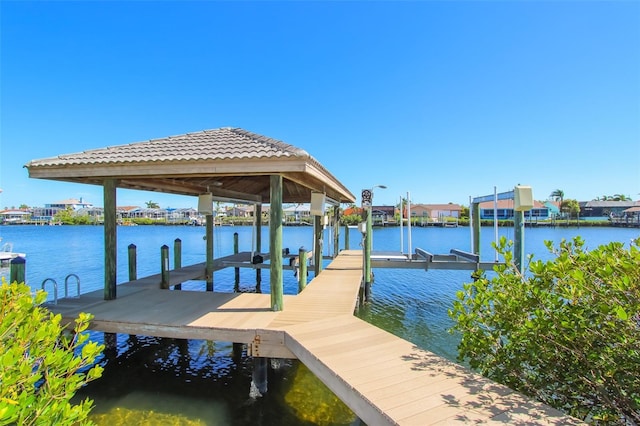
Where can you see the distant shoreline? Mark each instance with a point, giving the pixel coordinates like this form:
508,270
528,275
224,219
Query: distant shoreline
461,223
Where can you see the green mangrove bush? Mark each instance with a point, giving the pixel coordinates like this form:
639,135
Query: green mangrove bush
42,364
566,332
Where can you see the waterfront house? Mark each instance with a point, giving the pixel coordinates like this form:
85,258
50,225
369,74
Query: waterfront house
630,216
71,203
45,214
147,213
553,207
14,216
238,211
352,211
505,211
251,211
604,209
297,213
182,215
435,212
380,215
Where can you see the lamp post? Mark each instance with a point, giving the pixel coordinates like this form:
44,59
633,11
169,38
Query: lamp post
367,202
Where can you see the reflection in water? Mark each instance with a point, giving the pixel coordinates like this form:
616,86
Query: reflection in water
156,381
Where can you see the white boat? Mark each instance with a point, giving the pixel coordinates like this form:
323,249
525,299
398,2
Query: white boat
7,253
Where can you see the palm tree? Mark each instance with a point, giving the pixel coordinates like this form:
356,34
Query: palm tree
621,197
558,195
402,207
152,205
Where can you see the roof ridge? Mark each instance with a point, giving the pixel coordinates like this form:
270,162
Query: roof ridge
271,142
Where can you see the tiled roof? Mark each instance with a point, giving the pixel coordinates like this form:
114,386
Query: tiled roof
217,144
598,203
230,163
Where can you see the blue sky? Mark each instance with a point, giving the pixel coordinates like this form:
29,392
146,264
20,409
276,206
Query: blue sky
444,100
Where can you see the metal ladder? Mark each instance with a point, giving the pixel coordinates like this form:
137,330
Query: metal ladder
66,287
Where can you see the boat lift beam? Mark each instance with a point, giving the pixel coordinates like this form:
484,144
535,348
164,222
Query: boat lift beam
501,196
422,259
523,201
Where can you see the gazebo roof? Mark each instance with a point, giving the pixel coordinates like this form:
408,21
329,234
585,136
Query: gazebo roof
230,163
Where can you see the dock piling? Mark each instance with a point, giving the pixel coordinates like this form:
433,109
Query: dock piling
317,244
258,218
346,237
302,272
275,243
236,271
110,345
209,261
133,262
164,266
336,231
17,269
368,274
259,377
177,259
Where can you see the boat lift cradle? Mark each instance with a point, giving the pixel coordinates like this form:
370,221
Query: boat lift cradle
459,259
422,259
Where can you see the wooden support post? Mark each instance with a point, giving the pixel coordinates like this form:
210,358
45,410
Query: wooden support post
133,262
518,245
17,270
110,346
184,356
209,262
302,269
361,297
367,256
110,239
236,250
164,266
275,243
236,353
177,259
317,244
258,213
346,237
336,231
475,211
259,377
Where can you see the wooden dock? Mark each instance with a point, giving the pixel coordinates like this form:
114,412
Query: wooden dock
384,379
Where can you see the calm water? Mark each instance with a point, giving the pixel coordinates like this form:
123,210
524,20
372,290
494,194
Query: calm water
175,382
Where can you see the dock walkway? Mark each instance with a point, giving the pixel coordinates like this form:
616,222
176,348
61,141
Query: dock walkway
384,379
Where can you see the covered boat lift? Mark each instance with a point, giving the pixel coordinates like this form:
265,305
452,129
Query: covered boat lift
225,164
